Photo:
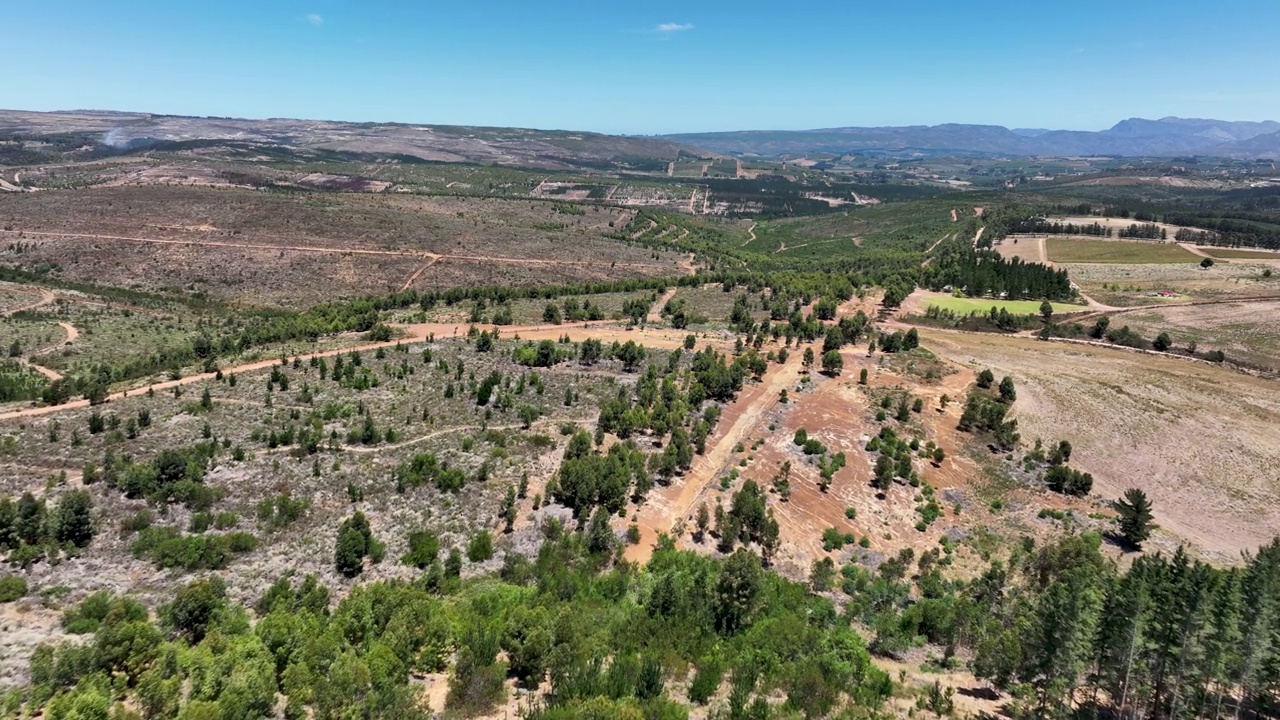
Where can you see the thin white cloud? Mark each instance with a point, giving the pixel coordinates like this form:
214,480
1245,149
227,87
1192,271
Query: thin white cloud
315,19
673,27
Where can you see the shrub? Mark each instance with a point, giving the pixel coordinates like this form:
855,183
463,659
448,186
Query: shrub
480,548
12,587
424,549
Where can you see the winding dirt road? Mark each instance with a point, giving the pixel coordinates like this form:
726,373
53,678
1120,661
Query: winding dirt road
46,297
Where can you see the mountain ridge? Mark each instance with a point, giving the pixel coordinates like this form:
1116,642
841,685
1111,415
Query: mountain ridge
1128,137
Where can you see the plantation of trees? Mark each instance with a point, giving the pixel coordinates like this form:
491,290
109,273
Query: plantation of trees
982,273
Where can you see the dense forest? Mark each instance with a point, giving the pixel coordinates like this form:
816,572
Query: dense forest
1058,626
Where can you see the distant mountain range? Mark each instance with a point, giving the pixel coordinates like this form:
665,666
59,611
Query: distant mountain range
551,149
1132,137
561,149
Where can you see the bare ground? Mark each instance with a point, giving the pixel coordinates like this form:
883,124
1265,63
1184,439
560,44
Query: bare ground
1143,421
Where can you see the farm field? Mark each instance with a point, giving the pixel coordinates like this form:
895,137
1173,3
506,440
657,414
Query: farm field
1137,284
1238,254
1074,250
966,305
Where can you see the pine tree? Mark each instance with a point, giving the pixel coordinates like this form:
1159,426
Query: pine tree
1135,516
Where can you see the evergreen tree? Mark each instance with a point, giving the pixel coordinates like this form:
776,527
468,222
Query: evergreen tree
73,521
1135,516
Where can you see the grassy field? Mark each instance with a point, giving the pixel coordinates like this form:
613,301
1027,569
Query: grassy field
1072,250
965,306
1233,253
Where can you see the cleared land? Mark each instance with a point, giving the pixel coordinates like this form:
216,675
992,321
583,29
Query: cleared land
1201,440
1248,332
252,247
1075,250
1137,284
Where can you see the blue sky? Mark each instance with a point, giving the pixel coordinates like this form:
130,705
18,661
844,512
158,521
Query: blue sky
651,67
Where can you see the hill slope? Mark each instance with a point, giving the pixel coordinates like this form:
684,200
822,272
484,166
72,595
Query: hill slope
552,149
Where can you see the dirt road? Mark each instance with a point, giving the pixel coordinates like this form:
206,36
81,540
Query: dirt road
667,507
416,273
72,334
655,312
1195,250
46,297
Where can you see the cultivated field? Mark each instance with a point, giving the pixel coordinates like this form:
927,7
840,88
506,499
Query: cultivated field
1063,250
966,305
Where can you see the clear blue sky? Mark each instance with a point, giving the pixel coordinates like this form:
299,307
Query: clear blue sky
650,67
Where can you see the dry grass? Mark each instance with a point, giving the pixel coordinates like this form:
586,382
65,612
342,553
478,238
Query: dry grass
1232,253
1201,440
1134,284
297,249
1249,332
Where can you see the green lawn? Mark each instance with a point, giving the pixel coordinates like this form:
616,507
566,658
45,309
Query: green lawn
965,306
1231,253
1072,250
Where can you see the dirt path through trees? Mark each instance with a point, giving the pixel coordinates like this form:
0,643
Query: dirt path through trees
655,312
605,331
416,273
665,508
